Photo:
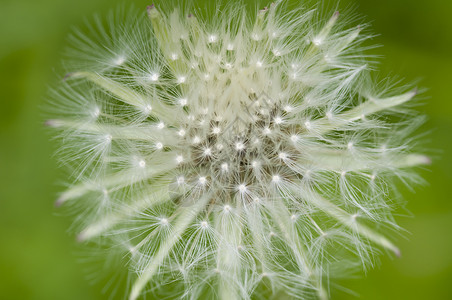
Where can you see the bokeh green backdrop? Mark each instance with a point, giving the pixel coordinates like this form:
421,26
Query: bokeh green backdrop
38,257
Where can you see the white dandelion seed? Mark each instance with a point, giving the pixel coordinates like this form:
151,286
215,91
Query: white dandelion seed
202,180
204,224
120,60
181,132
183,102
224,167
239,146
283,152
159,145
154,77
179,159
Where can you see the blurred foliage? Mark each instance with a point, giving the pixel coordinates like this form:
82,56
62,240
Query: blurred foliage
40,260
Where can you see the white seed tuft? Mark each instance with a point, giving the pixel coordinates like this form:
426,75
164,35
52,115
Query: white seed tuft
154,77
181,132
232,149
207,152
242,188
142,164
213,38
183,101
239,146
196,140
282,155
202,180
120,60
180,180
179,159
181,79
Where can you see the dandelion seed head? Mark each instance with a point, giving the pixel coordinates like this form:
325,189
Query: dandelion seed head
246,145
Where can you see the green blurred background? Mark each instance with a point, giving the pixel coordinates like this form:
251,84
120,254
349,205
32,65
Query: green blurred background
38,257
